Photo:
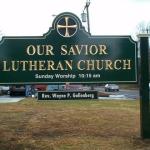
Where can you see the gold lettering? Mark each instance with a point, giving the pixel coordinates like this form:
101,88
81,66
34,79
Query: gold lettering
68,64
90,65
81,65
127,64
15,65
102,49
49,50
42,65
40,51
108,65
63,50
59,66
117,64
32,65
84,50
31,50
24,64
5,67
100,64
93,50
80,48
72,51
50,65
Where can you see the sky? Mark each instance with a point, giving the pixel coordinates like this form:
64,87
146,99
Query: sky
107,17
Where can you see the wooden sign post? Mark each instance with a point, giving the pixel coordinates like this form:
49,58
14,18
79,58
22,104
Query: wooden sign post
144,87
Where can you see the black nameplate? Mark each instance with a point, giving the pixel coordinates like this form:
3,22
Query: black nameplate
67,95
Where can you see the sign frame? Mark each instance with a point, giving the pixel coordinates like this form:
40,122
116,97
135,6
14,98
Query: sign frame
79,35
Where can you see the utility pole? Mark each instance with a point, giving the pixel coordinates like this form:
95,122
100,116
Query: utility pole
85,16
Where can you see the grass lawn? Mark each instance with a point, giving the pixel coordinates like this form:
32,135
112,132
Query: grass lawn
71,125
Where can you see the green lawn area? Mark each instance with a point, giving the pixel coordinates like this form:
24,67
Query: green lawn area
71,125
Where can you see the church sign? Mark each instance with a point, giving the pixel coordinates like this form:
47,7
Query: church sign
67,53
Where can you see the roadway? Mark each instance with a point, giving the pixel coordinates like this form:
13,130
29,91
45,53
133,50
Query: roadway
122,93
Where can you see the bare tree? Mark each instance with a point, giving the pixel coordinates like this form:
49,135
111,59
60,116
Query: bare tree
143,28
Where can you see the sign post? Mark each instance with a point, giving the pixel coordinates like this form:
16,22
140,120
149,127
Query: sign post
144,87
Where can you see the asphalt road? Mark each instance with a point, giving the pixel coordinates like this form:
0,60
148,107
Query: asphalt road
131,94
